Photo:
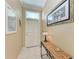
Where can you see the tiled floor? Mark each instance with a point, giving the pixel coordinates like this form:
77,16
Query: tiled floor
31,53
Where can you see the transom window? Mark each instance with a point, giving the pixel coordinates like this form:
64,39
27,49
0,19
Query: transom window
32,15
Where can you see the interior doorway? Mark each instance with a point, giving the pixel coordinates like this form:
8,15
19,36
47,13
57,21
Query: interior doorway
32,32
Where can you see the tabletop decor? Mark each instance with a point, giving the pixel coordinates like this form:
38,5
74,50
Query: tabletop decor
45,36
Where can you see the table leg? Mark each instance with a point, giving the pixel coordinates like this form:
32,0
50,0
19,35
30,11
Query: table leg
41,49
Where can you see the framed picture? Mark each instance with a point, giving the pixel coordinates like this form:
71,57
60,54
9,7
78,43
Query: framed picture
60,13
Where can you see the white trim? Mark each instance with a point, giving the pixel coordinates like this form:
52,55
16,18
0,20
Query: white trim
9,8
11,32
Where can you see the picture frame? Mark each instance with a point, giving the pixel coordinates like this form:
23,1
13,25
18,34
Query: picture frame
60,13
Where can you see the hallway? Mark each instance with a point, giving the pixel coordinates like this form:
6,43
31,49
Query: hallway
31,53
33,24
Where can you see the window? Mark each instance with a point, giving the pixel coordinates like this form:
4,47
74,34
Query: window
32,15
10,20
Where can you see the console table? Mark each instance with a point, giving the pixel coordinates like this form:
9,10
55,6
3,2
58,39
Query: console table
53,51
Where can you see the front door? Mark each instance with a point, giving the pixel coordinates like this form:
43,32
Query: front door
32,33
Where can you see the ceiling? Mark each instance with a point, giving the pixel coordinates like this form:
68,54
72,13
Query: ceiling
34,3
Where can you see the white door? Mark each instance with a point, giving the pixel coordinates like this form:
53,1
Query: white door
32,33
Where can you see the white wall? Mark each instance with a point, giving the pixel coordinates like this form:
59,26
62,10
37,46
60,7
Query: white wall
62,35
14,41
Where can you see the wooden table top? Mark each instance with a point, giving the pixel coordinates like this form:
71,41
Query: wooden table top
55,51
